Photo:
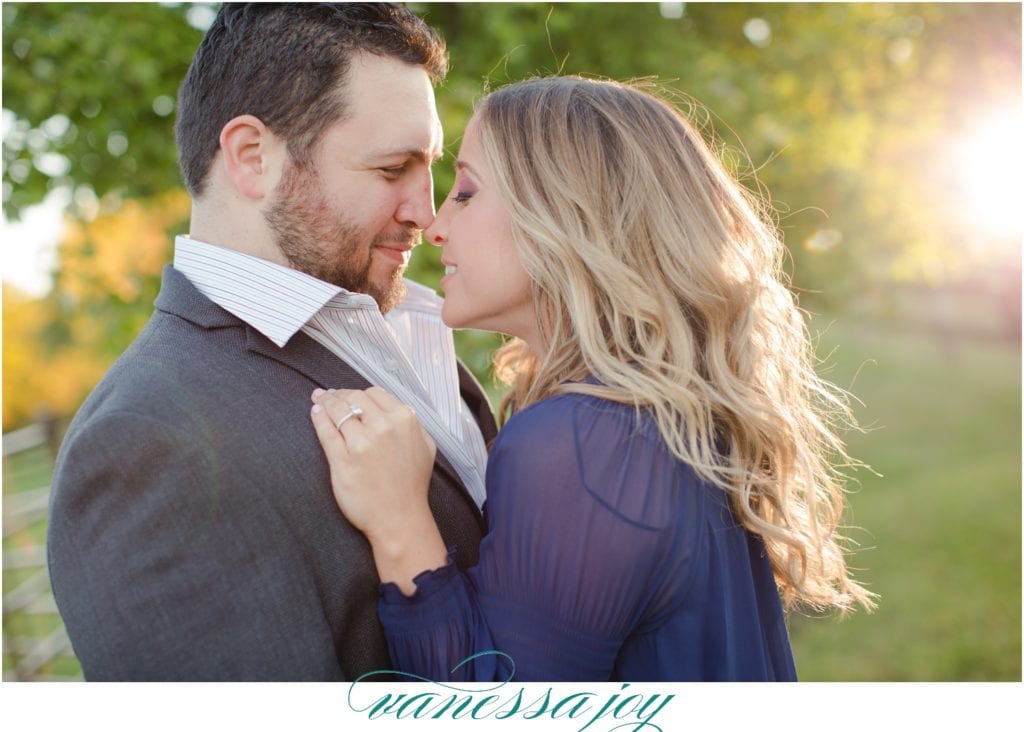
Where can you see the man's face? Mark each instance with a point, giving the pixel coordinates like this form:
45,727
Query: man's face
352,215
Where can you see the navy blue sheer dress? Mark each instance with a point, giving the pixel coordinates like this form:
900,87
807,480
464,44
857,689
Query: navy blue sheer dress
606,559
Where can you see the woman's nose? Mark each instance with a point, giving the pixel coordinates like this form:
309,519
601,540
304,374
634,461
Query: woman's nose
433,233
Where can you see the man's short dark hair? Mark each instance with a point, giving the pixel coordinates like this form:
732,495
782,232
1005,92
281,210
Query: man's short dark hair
285,63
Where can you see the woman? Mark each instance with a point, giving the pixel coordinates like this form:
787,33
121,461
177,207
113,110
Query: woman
665,473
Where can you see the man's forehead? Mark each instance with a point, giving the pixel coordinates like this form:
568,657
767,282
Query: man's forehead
392,108
423,145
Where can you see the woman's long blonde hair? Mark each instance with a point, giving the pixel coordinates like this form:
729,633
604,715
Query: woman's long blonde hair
660,275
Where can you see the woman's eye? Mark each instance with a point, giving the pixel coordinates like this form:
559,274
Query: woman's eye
462,196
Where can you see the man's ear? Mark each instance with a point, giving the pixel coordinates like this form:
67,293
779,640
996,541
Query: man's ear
252,155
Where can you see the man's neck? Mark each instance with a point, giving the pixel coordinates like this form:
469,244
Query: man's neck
224,225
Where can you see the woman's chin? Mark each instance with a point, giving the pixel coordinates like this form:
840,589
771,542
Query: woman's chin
457,320
451,319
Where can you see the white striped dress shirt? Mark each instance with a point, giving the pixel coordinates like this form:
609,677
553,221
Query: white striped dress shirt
409,351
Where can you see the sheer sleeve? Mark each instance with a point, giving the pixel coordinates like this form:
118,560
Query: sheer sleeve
583,549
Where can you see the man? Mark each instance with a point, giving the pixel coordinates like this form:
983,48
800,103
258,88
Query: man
193,534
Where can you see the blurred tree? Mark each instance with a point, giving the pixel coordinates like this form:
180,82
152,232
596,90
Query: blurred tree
110,271
56,348
38,377
89,96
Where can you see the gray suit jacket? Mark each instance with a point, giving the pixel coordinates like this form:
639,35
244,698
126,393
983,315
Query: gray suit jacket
193,534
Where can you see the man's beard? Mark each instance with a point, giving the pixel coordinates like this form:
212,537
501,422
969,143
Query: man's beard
316,241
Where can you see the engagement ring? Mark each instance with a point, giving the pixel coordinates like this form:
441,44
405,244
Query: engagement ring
352,412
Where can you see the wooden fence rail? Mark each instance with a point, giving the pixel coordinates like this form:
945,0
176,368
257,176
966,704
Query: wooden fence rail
35,644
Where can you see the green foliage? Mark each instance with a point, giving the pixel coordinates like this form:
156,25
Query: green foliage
91,89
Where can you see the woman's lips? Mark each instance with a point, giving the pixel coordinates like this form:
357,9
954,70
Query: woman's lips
449,270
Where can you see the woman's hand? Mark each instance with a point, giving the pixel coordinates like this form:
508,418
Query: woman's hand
381,460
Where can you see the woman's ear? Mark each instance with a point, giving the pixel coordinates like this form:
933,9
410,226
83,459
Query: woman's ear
251,155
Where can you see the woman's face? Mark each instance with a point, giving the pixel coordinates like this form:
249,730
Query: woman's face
485,285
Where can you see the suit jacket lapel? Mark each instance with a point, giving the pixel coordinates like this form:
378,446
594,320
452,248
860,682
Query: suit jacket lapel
178,296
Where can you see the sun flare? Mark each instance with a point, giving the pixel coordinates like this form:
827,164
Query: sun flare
990,165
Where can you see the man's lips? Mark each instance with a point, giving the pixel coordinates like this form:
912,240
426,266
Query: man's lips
397,252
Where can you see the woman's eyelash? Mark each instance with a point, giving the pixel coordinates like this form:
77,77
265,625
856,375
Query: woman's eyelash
462,196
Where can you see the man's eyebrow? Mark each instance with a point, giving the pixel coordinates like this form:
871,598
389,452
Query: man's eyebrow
424,156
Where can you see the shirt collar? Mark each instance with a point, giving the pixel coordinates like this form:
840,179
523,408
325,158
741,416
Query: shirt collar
277,300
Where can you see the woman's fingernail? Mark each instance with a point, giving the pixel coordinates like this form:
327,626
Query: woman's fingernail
317,409
317,392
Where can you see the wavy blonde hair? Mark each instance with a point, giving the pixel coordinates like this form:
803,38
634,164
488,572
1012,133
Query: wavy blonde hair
656,272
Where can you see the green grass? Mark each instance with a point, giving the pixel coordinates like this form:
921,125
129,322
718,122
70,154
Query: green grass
940,528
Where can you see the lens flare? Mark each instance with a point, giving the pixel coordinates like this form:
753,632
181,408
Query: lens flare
990,165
